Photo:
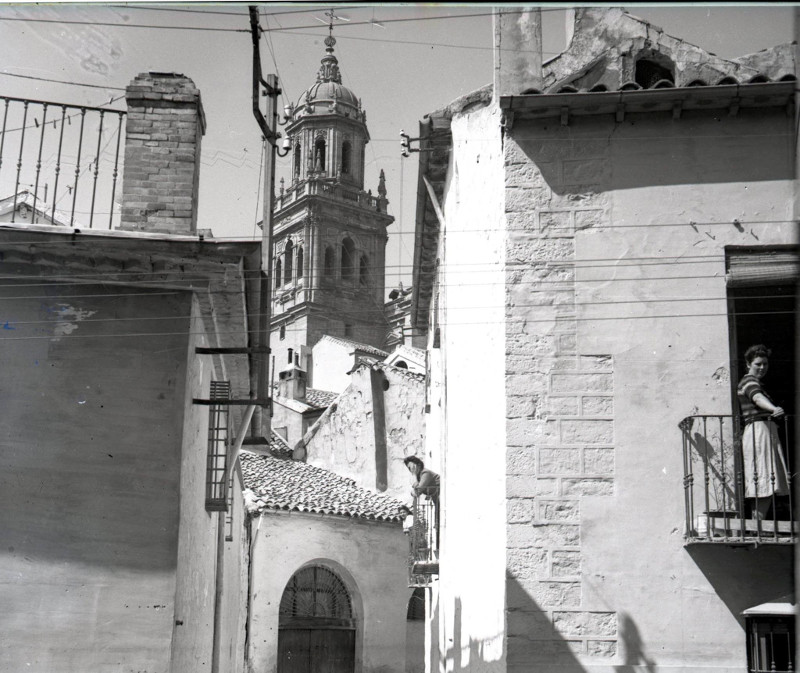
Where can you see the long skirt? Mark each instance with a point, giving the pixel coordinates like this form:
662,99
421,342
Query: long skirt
765,470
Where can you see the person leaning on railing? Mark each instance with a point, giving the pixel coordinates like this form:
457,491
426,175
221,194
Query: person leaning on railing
765,470
426,482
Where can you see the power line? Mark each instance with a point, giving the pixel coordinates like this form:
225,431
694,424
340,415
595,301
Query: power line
126,25
58,318
244,30
446,323
598,227
61,81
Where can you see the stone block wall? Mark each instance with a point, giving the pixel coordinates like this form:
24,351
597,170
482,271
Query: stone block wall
560,405
164,128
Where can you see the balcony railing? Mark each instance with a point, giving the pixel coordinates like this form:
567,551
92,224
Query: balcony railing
62,161
326,187
423,542
723,496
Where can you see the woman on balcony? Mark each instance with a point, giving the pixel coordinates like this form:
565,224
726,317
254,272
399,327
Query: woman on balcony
765,470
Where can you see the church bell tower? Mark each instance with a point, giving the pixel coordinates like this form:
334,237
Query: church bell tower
329,235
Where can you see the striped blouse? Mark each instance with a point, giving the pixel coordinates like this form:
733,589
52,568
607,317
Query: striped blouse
748,387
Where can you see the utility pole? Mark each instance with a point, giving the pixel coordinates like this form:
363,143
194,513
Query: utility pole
262,419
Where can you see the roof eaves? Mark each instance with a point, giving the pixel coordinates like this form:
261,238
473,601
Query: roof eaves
436,141
766,94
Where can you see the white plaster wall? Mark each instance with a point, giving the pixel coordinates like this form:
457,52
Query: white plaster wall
466,437
650,295
193,629
332,362
344,442
685,608
369,557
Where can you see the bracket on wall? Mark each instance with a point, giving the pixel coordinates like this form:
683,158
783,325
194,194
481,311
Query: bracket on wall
507,121
405,144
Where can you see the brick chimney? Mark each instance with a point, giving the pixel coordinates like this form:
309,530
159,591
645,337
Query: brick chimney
164,130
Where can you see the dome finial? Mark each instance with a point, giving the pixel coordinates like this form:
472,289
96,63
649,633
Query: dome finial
329,68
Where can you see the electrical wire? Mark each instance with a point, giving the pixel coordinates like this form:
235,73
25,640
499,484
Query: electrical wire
62,81
572,319
127,25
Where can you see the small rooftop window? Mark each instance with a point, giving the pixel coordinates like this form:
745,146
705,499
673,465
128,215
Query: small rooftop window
649,72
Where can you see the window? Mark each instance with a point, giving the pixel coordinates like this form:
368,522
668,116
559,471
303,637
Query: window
346,153
300,263
319,155
278,275
348,255
329,263
348,330
653,69
363,271
217,456
297,160
315,592
289,257
770,644
283,332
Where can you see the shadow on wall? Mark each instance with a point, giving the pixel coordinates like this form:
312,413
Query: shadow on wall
652,151
634,656
532,641
475,657
744,577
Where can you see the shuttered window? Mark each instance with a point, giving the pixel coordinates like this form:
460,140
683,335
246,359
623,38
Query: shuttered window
752,267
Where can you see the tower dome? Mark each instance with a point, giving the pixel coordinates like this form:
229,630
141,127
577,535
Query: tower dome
328,95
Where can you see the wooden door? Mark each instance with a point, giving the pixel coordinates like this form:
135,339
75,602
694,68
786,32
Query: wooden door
316,650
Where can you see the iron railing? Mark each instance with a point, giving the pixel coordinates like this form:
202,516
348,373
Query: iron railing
61,161
721,494
423,543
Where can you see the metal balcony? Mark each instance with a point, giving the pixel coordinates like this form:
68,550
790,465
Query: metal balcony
717,510
423,543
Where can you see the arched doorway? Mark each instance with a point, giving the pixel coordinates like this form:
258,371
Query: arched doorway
316,625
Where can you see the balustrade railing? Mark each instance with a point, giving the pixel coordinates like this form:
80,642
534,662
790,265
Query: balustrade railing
343,192
63,161
423,543
737,484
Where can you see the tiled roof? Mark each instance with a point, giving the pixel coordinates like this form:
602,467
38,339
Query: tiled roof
320,399
291,485
402,371
356,346
278,447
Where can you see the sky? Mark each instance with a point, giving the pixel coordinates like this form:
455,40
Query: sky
402,61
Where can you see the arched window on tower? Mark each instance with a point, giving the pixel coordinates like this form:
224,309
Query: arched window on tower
348,258
297,160
287,269
319,155
329,262
363,271
300,265
346,154
278,276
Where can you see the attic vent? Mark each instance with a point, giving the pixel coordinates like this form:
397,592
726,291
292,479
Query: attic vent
648,73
